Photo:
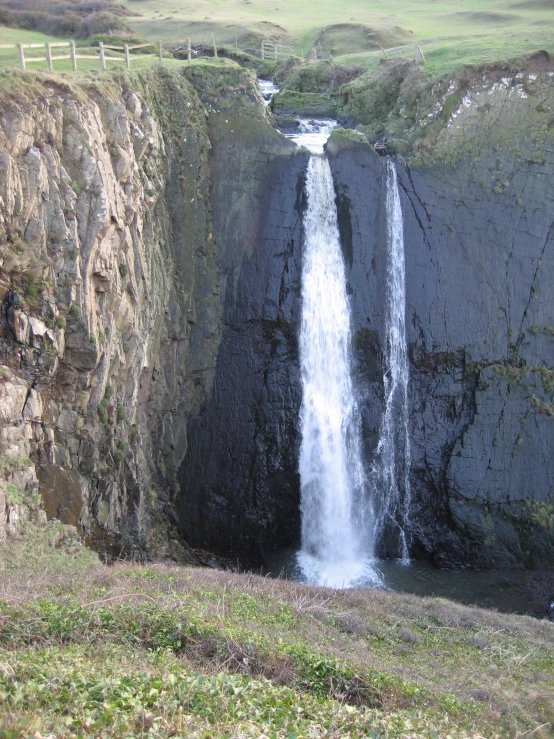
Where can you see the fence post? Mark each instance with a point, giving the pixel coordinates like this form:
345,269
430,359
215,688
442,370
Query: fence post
102,55
385,53
73,55
189,52
419,49
160,53
215,47
49,57
236,44
21,55
276,48
263,51
127,57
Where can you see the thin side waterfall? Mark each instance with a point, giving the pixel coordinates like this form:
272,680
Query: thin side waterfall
337,519
391,472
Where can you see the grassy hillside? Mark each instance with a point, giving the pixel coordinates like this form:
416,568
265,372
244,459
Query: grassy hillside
160,651
450,33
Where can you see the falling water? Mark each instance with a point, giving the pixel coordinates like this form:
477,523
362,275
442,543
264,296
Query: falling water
337,544
391,471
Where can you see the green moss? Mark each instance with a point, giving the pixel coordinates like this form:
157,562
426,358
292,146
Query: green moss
14,495
305,103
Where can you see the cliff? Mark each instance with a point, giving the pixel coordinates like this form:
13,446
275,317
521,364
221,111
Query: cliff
479,240
152,239
109,204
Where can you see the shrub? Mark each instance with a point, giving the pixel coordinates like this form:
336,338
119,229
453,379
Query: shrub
75,311
102,410
14,494
61,322
101,23
121,412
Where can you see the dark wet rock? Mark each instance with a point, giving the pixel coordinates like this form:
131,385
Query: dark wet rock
240,488
479,262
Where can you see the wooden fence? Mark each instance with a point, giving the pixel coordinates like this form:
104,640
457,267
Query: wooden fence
269,51
404,52
74,54
272,52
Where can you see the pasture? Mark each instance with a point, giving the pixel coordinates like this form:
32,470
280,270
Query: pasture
451,33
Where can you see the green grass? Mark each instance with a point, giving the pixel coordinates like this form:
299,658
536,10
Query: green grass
451,33
159,651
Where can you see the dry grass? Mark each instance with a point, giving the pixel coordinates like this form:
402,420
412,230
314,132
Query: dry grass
399,655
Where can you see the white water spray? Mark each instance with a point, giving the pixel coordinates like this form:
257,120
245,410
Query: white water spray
337,544
391,472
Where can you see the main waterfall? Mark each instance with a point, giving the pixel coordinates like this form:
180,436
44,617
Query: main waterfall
337,516
345,512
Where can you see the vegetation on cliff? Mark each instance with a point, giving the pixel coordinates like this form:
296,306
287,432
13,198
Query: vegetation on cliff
160,651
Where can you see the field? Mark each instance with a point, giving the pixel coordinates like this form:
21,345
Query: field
160,651
450,33
353,32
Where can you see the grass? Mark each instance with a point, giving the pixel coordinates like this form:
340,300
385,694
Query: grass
161,650
352,31
451,34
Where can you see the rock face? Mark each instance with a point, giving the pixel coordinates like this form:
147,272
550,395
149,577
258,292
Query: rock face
93,196
479,234
139,243
240,487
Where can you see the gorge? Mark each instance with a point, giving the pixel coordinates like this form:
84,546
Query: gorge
151,384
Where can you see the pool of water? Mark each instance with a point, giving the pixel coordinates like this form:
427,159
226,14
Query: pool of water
503,590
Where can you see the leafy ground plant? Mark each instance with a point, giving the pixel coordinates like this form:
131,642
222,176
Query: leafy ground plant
129,650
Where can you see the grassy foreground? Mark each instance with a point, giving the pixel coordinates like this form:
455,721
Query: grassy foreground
161,651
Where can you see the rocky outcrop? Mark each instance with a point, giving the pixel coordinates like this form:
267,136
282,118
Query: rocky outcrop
137,237
108,244
479,232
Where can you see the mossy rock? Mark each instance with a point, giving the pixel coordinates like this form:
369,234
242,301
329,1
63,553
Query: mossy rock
305,104
342,139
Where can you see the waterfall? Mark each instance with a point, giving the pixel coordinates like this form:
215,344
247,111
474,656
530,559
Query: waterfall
391,471
337,518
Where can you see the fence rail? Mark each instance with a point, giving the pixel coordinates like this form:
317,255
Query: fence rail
405,52
74,55
272,52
